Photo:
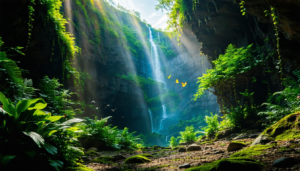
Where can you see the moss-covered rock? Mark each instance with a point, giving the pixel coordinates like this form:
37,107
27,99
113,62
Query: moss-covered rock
146,155
103,159
232,164
79,167
287,128
252,151
137,159
235,145
91,153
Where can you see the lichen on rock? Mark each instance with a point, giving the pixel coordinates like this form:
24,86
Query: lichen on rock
137,159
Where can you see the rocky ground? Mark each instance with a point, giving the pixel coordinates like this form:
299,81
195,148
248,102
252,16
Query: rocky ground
199,153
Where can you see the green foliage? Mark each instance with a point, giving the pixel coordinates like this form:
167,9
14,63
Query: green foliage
58,98
173,142
282,103
238,162
39,138
182,124
212,124
243,9
111,136
235,61
188,135
252,151
137,159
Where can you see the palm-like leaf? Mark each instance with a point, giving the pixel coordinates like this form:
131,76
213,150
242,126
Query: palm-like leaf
37,138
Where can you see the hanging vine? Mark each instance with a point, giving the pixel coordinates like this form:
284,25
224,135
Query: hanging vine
30,21
275,20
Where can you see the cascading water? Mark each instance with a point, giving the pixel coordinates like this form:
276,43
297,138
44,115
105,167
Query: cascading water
157,72
151,119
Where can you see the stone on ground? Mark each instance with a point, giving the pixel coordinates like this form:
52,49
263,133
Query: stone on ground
185,165
193,147
284,162
92,149
233,146
182,150
262,139
137,159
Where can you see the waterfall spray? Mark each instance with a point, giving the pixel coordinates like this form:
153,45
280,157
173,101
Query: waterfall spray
151,120
157,71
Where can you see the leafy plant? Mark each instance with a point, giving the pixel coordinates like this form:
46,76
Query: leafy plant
283,102
58,98
212,124
111,136
235,61
29,136
188,135
173,142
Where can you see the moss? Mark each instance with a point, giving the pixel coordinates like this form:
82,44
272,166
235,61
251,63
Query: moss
239,142
252,151
230,164
286,128
146,155
91,153
137,159
79,167
156,167
103,159
207,143
288,135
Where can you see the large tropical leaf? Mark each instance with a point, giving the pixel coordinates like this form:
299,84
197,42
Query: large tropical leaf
56,164
50,148
71,121
37,138
54,118
23,105
8,107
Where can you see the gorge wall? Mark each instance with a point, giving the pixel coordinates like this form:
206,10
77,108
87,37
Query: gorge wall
218,23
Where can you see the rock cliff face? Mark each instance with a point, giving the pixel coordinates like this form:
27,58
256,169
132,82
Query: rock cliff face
218,23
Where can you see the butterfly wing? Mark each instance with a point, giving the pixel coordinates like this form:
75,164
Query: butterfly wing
169,76
177,81
183,84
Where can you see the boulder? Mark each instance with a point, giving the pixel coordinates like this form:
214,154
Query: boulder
233,146
185,165
118,157
137,159
193,147
284,162
242,136
182,150
93,149
224,133
262,139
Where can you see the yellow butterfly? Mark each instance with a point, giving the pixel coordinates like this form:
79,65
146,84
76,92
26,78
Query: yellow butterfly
169,76
183,84
177,81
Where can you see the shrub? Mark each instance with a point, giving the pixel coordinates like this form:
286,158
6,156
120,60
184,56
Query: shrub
31,138
113,137
188,135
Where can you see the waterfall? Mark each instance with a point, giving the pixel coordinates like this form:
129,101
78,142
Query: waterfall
167,138
157,72
151,119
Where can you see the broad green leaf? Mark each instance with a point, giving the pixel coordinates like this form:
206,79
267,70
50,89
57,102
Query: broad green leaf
23,105
39,105
52,132
73,129
8,107
37,138
39,112
56,164
54,118
50,148
74,120
6,159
